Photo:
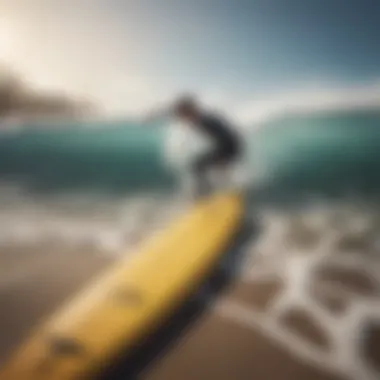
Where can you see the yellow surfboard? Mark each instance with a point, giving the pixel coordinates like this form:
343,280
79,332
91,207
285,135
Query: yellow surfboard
131,298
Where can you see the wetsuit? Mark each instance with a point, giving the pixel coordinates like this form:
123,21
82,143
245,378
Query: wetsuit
228,148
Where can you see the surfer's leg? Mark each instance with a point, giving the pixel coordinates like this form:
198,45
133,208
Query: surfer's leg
222,161
219,159
200,168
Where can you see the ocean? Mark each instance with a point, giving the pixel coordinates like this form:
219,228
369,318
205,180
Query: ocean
101,176
75,197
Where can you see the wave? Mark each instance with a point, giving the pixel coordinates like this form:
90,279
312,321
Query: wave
324,153
115,158
77,182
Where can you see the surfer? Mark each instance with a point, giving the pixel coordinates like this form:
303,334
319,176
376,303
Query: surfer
227,144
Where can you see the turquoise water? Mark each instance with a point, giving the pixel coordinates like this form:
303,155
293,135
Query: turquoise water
120,158
327,154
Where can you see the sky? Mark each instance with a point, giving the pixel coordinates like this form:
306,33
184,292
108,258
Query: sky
249,56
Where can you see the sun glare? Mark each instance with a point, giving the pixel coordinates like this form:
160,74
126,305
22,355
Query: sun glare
7,40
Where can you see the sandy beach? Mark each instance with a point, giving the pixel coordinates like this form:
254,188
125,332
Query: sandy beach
216,348
34,281
310,311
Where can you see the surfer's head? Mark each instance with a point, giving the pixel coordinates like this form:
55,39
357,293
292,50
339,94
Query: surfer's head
186,107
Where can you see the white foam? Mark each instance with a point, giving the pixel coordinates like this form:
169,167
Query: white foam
281,253
106,224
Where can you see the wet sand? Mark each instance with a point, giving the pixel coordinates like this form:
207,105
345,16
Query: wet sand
34,281
216,348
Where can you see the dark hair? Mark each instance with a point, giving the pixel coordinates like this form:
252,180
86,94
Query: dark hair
185,103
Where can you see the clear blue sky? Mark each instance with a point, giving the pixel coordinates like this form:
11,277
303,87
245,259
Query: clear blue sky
256,42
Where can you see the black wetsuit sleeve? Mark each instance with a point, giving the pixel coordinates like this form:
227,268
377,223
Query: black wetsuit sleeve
220,131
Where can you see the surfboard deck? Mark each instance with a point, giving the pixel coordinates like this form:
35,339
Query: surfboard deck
134,296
